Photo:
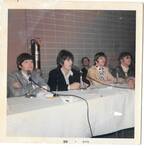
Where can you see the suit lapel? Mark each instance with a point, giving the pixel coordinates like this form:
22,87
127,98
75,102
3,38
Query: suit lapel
61,76
21,79
122,72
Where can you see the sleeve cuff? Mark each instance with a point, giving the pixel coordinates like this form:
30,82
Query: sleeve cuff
68,87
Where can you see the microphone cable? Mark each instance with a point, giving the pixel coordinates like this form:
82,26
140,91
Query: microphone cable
30,79
86,102
56,94
107,84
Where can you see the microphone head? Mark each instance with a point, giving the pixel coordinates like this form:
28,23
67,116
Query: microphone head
117,69
29,72
30,79
81,72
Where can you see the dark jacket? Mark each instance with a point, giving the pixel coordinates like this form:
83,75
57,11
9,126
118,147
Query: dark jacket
84,72
57,81
84,75
121,74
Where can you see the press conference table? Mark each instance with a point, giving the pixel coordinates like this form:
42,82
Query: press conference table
110,109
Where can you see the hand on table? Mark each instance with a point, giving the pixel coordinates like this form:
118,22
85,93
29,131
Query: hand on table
74,86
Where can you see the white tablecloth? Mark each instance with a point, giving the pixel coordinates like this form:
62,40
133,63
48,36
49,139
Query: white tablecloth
110,109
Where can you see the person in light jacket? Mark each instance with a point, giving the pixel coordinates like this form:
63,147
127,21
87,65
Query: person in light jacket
19,83
99,74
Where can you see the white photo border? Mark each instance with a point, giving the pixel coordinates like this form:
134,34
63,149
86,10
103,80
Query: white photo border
77,5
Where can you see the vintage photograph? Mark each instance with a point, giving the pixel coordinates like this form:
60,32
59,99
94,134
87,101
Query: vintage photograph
72,73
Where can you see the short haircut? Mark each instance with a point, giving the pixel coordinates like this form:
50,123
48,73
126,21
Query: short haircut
62,56
99,54
84,58
22,57
124,54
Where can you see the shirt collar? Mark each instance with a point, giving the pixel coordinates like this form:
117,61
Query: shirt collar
99,67
125,69
26,76
70,73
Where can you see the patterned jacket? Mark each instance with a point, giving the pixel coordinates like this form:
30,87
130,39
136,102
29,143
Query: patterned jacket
93,76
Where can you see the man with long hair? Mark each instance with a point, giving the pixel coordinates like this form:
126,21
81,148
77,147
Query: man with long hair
64,77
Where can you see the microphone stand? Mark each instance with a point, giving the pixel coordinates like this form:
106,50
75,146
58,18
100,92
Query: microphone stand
29,94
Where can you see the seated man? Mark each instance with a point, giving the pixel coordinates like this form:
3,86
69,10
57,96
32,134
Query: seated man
86,65
64,78
125,69
19,83
99,74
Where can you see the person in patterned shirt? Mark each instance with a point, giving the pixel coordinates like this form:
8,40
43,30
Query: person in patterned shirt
99,73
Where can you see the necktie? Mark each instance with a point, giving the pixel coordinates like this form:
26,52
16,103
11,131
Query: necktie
101,73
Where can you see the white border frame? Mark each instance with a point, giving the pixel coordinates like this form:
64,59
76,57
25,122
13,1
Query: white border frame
77,5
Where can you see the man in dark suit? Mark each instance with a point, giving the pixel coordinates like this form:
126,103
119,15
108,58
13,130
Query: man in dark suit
64,77
125,69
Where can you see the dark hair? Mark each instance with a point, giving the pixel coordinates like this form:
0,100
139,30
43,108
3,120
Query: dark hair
84,58
99,54
124,54
22,57
62,56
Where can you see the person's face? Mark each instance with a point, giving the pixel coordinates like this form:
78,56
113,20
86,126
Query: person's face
67,64
126,60
101,61
27,65
85,62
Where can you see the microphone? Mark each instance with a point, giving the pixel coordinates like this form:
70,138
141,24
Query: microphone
117,74
31,80
81,80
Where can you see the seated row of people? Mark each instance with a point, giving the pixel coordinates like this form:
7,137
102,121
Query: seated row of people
64,76
100,74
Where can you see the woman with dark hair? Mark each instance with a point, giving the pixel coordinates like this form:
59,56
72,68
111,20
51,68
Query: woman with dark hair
63,77
125,70
99,74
